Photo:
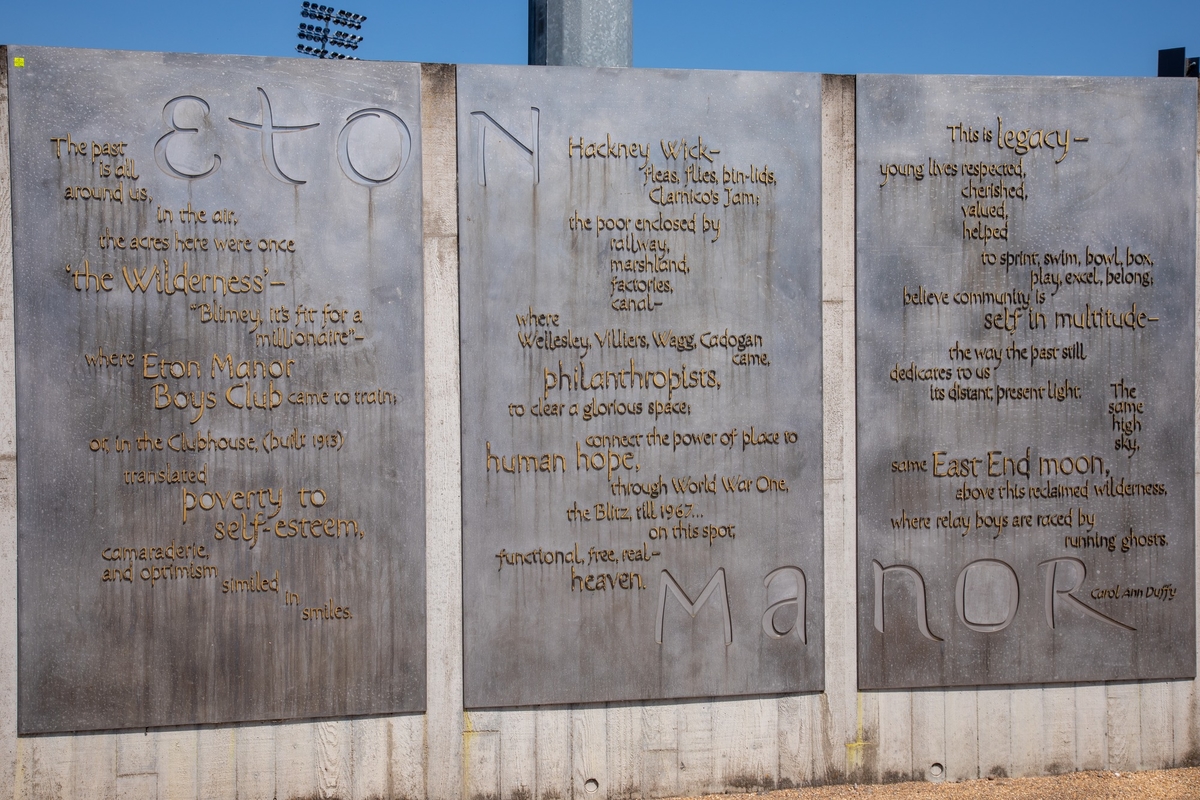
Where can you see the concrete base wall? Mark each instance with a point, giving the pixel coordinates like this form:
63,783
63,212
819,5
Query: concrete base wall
627,750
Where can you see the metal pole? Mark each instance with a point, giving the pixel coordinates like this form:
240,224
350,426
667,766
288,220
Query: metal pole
581,33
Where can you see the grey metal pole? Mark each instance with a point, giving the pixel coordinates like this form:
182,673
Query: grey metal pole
581,33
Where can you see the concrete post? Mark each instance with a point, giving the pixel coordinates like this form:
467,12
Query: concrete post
581,33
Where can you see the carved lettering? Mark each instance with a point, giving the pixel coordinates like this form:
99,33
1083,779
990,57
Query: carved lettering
797,598
919,591
715,586
484,121
343,146
161,156
267,130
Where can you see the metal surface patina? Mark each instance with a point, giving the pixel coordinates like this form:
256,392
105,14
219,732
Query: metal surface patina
641,383
1026,274
219,389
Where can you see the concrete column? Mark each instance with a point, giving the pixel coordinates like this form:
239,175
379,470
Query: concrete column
8,462
581,33
443,471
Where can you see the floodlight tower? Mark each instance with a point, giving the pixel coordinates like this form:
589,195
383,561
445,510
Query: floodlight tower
319,33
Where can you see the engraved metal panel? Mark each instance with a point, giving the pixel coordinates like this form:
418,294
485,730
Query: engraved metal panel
1026,274
219,388
641,383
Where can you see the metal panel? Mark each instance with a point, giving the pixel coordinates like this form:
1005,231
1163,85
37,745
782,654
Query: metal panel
1026,255
642,491
220,455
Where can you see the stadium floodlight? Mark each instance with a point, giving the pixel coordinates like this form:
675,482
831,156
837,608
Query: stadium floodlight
328,42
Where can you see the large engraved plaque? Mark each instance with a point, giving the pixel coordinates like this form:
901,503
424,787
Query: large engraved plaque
1026,274
219,388
641,382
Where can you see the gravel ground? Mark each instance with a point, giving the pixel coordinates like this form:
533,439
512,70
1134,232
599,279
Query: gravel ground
1169,784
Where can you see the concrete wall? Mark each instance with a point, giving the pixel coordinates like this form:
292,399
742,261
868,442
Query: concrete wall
609,751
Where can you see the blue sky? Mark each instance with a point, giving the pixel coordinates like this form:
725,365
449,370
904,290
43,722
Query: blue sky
1051,37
